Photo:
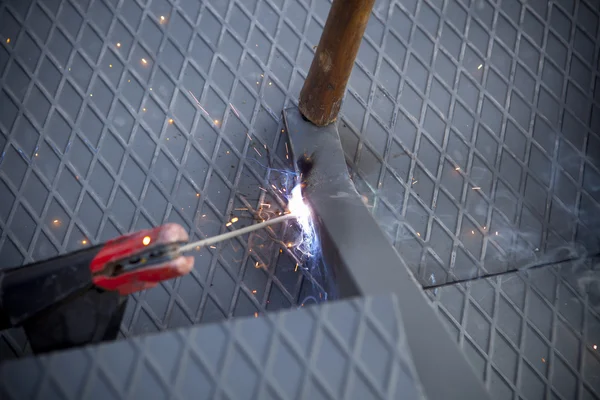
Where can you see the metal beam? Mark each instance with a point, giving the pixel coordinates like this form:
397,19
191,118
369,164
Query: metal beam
365,262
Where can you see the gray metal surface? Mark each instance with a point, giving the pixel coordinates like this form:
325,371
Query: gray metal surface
447,96
472,128
354,349
533,334
365,263
101,134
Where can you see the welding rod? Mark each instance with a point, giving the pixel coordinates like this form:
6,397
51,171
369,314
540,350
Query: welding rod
238,232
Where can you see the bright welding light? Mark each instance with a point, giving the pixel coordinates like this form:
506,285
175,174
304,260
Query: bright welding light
297,205
307,243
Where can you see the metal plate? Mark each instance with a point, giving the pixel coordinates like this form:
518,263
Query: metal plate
354,349
507,92
535,334
121,116
472,129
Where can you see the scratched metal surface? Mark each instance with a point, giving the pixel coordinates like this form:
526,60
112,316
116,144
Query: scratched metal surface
463,119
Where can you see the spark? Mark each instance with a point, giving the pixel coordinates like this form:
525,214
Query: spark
496,233
242,209
162,19
228,224
146,240
213,247
476,187
203,215
91,95
480,66
197,194
256,314
274,187
263,189
457,169
109,65
198,103
265,205
296,269
414,182
418,234
472,232
248,136
258,152
254,291
270,83
234,220
56,222
118,44
290,244
543,360
144,61
84,241
595,347
171,121
256,265
216,122
234,110
36,154
7,40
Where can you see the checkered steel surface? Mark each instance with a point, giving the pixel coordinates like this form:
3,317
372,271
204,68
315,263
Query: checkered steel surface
446,97
480,124
533,334
122,115
344,350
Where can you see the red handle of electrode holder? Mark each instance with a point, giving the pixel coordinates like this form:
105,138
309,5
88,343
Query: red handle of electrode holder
134,245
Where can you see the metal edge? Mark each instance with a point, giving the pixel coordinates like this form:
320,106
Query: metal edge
353,242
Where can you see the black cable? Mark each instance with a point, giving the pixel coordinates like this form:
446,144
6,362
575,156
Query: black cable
533,267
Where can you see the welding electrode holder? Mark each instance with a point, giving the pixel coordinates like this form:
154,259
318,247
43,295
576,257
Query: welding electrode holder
79,298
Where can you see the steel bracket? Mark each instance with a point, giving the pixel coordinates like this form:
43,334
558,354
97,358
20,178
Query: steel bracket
365,262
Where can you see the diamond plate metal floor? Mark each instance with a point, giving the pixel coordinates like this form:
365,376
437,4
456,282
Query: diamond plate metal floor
470,126
354,349
534,334
116,117
480,123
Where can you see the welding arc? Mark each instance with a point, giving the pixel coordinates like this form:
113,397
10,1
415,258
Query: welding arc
238,232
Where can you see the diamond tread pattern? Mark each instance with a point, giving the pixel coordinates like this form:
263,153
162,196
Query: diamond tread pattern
353,349
470,126
532,334
480,126
118,116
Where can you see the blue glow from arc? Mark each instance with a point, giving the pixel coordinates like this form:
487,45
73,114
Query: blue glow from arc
306,246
